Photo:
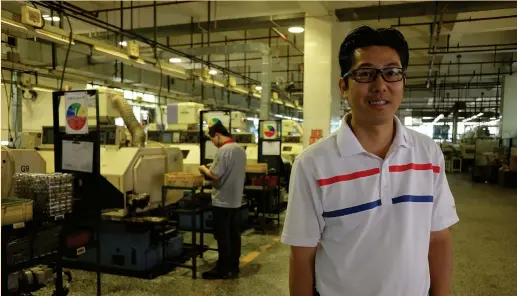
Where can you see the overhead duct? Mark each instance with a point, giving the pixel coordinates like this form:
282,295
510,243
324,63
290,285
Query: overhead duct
264,50
126,112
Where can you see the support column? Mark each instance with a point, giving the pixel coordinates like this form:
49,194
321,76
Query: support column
321,95
16,107
265,97
508,107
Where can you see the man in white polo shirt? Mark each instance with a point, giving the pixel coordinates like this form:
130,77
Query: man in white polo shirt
370,206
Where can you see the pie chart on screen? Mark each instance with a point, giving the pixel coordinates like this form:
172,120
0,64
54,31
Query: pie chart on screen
76,116
269,131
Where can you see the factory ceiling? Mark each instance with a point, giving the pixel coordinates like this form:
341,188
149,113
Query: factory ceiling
457,51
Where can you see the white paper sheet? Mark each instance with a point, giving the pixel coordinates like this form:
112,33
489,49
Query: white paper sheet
78,156
271,148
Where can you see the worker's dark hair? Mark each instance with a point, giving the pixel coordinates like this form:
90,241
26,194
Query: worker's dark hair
219,129
366,36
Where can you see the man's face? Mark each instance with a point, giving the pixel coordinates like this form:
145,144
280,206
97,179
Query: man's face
215,139
375,102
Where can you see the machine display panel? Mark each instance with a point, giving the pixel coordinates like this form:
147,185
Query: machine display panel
287,148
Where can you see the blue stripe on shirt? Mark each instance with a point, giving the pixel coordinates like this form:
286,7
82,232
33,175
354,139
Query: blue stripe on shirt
412,198
353,210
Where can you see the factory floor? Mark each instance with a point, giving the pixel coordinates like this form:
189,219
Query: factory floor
485,245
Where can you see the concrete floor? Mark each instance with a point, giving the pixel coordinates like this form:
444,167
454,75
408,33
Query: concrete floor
485,243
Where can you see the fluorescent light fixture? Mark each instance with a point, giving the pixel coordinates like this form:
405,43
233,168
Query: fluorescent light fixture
174,60
51,18
258,88
296,30
54,37
493,118
438,118
13,24
427,117
123,43
114,53
212,72
409,110
44,89
473,117
279,116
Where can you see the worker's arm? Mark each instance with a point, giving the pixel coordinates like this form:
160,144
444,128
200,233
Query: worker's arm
206,171
301,272
303,226
440,243
440,262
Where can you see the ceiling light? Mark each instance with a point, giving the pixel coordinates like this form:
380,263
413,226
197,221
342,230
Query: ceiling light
43,89
51,18
212,72
54,36
438,118
13,24
111,52
174,60
123,43
258,88
296,30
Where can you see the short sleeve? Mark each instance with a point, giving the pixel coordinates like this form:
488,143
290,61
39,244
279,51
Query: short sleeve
444,209
304,222
220,163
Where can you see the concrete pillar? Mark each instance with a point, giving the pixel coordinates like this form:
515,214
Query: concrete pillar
265,97
321,95
509,107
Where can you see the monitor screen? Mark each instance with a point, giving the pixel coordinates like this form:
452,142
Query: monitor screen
167,137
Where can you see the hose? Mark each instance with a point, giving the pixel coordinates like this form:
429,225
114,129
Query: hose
132,124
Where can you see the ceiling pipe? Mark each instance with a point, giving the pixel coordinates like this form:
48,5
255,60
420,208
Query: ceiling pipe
434,44
281,35
121,31
96,12
456,21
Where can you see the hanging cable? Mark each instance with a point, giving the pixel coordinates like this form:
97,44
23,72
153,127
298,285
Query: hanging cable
67,50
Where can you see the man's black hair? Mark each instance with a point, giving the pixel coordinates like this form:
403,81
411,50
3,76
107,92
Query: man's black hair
219,129
366,36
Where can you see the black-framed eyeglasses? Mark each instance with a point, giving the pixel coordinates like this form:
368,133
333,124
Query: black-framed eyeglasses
367,75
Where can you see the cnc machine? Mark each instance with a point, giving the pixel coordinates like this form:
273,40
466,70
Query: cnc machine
292,144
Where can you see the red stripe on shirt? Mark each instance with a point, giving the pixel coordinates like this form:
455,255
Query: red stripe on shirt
348,177
414,166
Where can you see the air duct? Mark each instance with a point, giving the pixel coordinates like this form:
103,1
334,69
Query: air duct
126,112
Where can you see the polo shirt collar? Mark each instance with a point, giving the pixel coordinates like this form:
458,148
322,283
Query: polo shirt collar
349,145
